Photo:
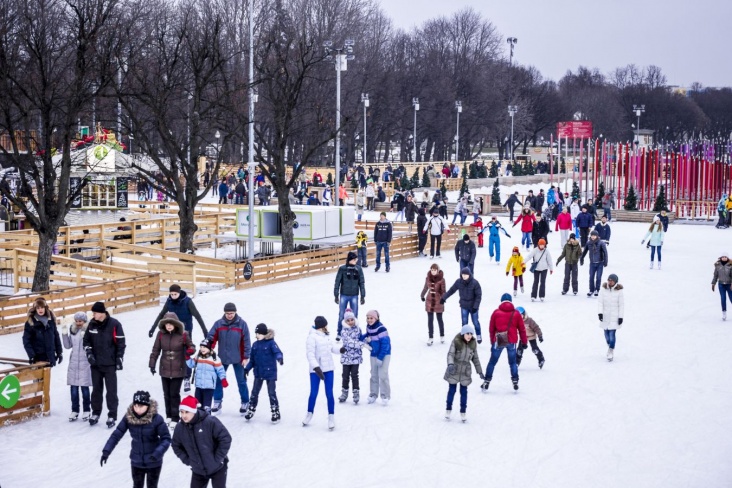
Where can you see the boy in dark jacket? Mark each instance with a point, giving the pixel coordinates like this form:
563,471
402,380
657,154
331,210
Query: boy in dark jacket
265,356
585,221
470,296
349,283
150,440
465,253
202,443
598,261
603,229
421,234
571,253
382,238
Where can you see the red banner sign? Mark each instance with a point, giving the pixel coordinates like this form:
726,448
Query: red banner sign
575,130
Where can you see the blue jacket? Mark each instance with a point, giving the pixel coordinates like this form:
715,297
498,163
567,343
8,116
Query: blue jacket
41,339
150,437
597,250
550,198
232,338
206,371
265,355
604,231
493,229
223,189
379,340
585,219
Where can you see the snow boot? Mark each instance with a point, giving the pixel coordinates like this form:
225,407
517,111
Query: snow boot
463,417
74,416
307,419
331,421
110,422
610,352
275,415
447,414
356,396
344,395
250,412
93,420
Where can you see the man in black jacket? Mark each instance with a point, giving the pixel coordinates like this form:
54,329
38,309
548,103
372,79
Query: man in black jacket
470,295
540,201
465,253
382,238
202,443
512,200
104,343
349,283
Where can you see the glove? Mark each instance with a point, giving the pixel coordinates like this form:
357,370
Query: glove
150,334
524,346
337,301
59,358
363,301
599,315
620,321
224,383
643,242
342,350
90,357
190,351
442,301
457,260
32,361
506,273
153,458
152,370
481,376
712,290
582,262
319,372
475,310
551,272
450,369
648,246
119,364
281,361
514,225
246,371
541,338
103,461
64,329
424,299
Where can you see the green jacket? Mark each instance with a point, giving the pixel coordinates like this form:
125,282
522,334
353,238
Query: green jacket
571,253
349,281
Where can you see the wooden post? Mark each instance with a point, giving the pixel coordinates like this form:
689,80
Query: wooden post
78,272
162,233
46,390
16,271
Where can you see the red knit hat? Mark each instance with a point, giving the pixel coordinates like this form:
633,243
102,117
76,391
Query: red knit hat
188,404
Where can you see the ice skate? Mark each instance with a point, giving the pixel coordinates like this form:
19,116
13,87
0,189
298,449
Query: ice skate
250,412
356,396
111,422
724,315
463,417
447,414
275,415
85,416
564,292
522,289
372,399
575,293
541,363
485,385
533,299
515,293
216,409
442,339
610,354
651,264
93,420
331,422
243,408
186,385
596,293
432,257
344,395
74,416
307,419
338,338
515,384
384,400
659,265
542,299
589,294
172,424
430,341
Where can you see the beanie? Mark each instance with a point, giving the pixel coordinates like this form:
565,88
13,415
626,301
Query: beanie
81,316
506,297
572,236
320,322
348,315
613,277
351,256
467,329
98,307
383,213
206,343
466,237
229,307
188,404
595,233
542,242
174,288
260,329
141,398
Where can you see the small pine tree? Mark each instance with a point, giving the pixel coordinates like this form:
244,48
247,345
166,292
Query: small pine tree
660,200
483,171
415,183
631,201
443,188
516,169
473,174
493,173
426,183
496,194
404,183
529,168
329,179
575,190
464,184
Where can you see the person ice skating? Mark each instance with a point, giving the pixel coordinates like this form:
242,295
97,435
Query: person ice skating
656,234
571,253
360,204
723,277
610,311
463,351
465,252
564,225
421,233
41,339
150,439
608,202
434,288
470,294
104,344
410,211
202,443
351,357
231,333
585,221
320,350
527,220
266,354
494,229
663,216
533,332
574,211
510,202
78,375
361,248
540,230
173,346
478,225
598,261
349,284
435,227
378,338
506,327
382,238
517,268
541,262
722,212
207,372
603,230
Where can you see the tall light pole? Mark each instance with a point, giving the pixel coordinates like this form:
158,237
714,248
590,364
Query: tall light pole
638,109
365,100
188,127
251,166
512,109
341,64
511,42
458,109
218,151
415,104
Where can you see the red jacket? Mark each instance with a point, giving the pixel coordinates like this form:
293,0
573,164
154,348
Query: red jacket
564,221
527,222
499,323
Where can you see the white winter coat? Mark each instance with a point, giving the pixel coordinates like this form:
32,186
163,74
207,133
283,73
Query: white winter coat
320,350
543,262
370,192
79,372
610,304
436,225
574,210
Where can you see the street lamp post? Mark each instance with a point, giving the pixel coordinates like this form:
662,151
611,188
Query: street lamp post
251,166
511,42
638,109
188,127
365,100
459,109
512,109
218,152
415,104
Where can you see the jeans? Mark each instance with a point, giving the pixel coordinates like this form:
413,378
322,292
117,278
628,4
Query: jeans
271,391
87,399
595,276
526,238
238,199
204,397
241,380
435,239
455,216
441,324
379,247
606,211
315,386
467,264
584,235
570,271
610,338
380,377
496,354
350,372
104,376
539,284
463,397
361,251
574,225
139,475
725,289
494,247
171,394
347,300
655,249
464,312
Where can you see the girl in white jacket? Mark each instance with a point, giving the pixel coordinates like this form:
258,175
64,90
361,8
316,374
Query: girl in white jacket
542,258
610,308
320,350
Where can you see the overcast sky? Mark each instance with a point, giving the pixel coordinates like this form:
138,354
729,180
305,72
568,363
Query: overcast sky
690,40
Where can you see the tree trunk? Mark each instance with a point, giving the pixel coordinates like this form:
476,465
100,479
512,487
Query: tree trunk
188,226
41,277
287,216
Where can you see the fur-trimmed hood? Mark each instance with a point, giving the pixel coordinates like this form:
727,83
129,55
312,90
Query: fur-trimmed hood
176,323
268,336
132,419
435,278
618,286
459,342
32,312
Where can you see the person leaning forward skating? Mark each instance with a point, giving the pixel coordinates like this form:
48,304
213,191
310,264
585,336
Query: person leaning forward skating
463,351
506,328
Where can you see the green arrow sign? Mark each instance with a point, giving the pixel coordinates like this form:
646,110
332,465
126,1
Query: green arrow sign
9,391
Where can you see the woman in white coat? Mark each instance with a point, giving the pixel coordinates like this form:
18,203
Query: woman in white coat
320,350
574,211
79,373
541,262
610,311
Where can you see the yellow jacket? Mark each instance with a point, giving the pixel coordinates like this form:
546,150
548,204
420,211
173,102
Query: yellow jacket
517,263
729,204
361,239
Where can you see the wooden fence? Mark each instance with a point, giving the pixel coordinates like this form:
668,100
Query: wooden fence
35,386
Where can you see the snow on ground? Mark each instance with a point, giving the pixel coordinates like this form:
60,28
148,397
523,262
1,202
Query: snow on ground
658,416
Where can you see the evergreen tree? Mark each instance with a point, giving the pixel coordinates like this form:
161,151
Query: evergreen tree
493,173
483,171
464,184
496,195
329,179
575,190
473,174
516,169
404,183
631,201
426,183
660,200
415,183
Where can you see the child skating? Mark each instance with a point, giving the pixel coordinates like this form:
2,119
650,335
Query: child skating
206,368
516,267
265,356
463,351
351,356
533,331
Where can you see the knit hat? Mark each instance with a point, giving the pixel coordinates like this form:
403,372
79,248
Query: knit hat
260,329
724,254
81,316
541,242
435,211
515,249
320,322
466,237
467,329
229,307
613,277
595,233
98,307
506,297
348,315
521,310
572,236
188,404
351,256
141,398
206,343
174,288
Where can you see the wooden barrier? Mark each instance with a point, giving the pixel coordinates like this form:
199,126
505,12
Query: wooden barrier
35,391
695,209
635,216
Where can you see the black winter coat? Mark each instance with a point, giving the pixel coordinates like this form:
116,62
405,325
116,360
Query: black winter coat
604,231
349,281
465,251
539,201
421,222
41,340
106,340
585,220
150,437
202,444
382,231
540,231
410,209
469,291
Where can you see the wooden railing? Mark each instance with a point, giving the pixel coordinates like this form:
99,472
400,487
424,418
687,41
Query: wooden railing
35,391
696,209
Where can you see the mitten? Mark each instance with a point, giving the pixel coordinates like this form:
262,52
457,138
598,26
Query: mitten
363,301
582,262
551,272
450,369
336,300
246,371
541,338
152,370
643,242
524,346
64,329
103,461
342,350
150,334
481,376
281,361
119,364
153,458
442,301
423,298
319,372
90,357
506,273
648,246
620,321
59,358
712,288
224,383
599,315
474,311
